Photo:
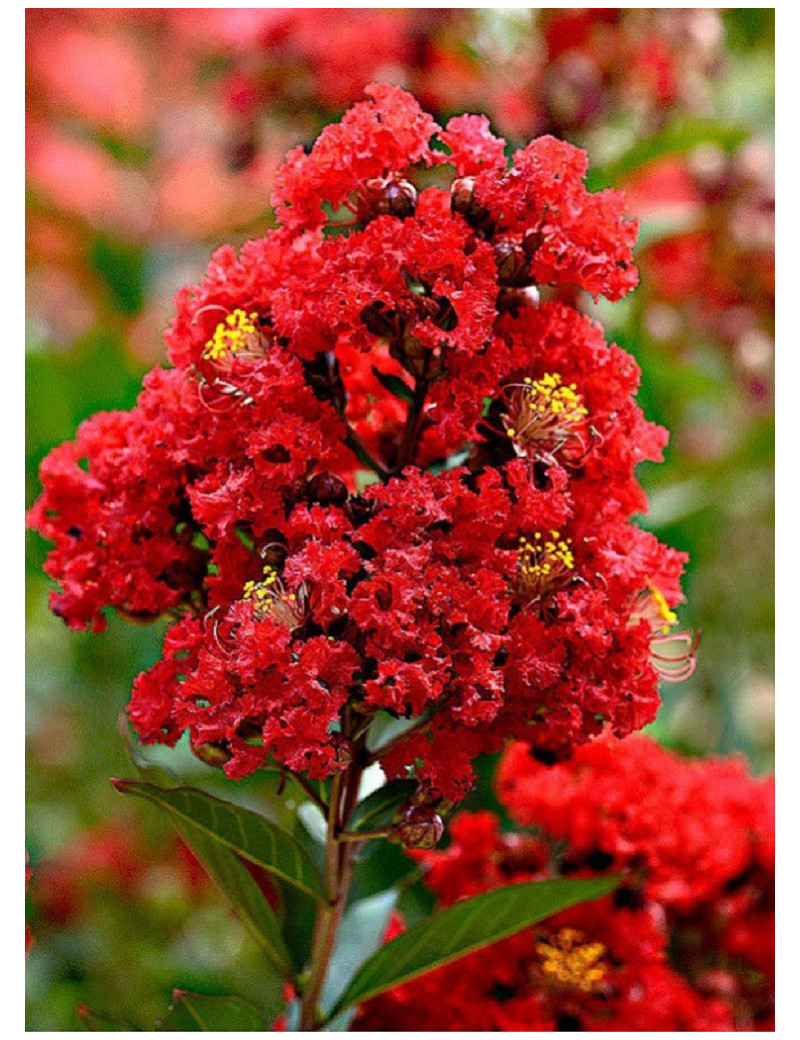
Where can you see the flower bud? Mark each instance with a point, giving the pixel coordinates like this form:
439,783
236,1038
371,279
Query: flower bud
359,510
532,242
418,827
398,199
214,754
327,489
463,201
384,197
512,263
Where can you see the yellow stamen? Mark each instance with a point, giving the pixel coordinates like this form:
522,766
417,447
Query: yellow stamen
666,616
544,416
544,564
567,960
271,599
232,335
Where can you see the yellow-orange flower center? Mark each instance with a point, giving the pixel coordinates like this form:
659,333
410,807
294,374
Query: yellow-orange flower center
543,415
566,959
544,563
271,598
237,333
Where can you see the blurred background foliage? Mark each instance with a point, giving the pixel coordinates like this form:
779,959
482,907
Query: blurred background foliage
152,136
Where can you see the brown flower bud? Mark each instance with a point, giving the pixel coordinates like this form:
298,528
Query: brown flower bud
327,489
359,509
463,201
273,554
418,827
531,242
385,197
398,199
512,263
216,754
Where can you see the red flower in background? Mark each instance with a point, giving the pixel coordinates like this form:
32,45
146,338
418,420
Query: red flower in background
685,943
381,476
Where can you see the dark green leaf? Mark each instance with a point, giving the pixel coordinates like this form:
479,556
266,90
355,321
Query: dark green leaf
465,927
394,384
224,868
241,890
385,728
198,1013
249,835
378,809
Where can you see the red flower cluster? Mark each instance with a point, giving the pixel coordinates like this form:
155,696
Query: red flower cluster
685,943
382,476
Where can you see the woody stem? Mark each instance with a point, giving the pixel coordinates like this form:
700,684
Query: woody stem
338,875
413,423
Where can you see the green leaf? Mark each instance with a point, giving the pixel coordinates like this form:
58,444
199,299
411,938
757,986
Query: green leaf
377,809
678,138
99,1022
463,928
223,866
249,835
241,890
385,728
394,384
198,1013
360,935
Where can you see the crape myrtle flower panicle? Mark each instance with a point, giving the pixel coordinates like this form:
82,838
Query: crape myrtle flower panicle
380,476
684,943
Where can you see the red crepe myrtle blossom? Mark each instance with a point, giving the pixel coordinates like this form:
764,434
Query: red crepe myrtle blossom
685,943
488,582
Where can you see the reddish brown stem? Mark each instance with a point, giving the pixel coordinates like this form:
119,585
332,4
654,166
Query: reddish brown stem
338,875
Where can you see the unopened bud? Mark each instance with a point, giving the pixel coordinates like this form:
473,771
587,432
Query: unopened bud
359,510
463,201
394,198
532,242
417,828
398,199
512,263
327,489
216,754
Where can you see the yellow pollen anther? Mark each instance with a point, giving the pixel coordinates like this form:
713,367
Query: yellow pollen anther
232,336
543,416
672,652
271,599
543,565
666,616
567,960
